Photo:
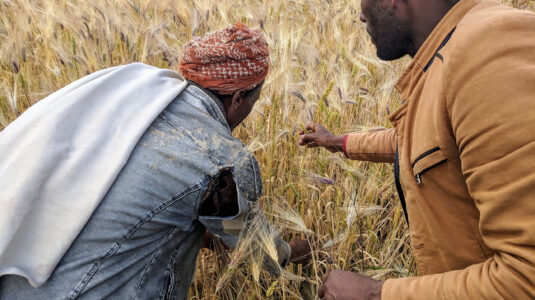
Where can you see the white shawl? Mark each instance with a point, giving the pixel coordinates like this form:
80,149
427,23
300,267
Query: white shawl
58,160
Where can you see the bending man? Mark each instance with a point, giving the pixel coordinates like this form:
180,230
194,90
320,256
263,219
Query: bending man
185,174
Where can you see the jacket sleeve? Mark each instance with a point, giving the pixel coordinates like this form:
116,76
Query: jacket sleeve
491,103
374,146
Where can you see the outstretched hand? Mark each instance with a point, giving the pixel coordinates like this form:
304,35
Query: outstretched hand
341,285
301,252
316,135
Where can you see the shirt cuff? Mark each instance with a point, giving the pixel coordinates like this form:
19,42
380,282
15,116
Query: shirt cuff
284,252
344,145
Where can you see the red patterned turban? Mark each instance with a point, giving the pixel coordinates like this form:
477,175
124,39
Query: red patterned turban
227,60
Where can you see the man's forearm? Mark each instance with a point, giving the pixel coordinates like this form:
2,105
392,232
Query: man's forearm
374,146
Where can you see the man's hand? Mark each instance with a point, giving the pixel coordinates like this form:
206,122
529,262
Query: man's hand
317,135
300,252
341,285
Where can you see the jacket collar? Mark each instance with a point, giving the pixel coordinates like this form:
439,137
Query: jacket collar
212,102
429,48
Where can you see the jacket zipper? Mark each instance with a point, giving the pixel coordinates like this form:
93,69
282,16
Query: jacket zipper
418,177
398,186
426,153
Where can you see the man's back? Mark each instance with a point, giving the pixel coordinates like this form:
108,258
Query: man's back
143,239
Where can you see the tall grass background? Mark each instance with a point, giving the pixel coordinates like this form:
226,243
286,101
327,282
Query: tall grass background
323,70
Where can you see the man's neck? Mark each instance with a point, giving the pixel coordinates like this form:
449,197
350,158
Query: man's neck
426,15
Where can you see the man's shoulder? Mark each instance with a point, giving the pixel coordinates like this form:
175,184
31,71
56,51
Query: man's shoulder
490,33
491,22
197,127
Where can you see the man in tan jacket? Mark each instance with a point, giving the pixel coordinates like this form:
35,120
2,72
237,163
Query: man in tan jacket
463,144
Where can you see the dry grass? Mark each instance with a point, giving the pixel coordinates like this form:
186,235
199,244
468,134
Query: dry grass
348,210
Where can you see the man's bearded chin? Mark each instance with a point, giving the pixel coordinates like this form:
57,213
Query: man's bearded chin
395,41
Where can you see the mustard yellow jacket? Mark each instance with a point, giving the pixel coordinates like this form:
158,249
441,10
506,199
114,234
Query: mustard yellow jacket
465,135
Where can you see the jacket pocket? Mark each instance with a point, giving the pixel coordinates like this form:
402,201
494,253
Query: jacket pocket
427,161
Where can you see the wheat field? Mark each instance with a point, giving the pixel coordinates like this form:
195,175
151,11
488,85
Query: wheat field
323,70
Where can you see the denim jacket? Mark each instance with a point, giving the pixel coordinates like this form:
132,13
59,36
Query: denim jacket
142,241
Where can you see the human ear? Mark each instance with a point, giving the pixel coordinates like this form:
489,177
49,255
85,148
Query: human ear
237,99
